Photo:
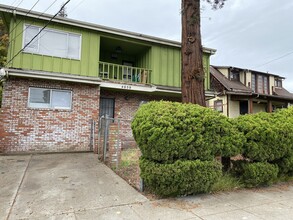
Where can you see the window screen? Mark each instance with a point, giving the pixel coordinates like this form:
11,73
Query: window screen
52,42
218,105
29,34
49,98
39,98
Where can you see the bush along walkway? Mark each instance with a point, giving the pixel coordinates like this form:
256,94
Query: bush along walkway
179,144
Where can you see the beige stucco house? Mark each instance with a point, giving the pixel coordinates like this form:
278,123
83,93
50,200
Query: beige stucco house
243,91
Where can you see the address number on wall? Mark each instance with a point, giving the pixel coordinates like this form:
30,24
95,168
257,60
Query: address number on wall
125,87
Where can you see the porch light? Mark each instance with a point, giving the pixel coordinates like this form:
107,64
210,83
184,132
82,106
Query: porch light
118,49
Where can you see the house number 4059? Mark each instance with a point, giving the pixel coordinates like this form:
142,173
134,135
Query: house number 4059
126,87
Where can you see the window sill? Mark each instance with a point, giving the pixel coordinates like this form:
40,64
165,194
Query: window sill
51,109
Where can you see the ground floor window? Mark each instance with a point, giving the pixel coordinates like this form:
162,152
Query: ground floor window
218,105
107,107
49,98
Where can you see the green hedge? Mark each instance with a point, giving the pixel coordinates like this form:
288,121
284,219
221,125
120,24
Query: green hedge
259,173
286,112
285,165
284,120
268,137
180,177
168,131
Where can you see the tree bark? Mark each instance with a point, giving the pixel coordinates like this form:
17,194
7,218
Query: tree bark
192,73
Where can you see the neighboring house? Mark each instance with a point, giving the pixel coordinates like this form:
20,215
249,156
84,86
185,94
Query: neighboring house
74,72
242,91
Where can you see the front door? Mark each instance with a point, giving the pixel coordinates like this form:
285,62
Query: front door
243,107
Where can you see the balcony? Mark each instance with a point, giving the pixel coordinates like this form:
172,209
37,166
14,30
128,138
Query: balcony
123,73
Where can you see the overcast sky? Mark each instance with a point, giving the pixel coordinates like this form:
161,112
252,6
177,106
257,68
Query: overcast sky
252,34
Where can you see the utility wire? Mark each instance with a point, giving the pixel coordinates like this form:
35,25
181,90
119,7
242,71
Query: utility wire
25,15
33,22
17,5
78,4
37,33
278,58
13,2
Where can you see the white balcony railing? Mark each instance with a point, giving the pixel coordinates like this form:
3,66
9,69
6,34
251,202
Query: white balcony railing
111,71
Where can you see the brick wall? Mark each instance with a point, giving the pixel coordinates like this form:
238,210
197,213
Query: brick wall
46,130
126,104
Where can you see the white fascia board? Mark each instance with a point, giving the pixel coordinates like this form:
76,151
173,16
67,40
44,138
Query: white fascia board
53,76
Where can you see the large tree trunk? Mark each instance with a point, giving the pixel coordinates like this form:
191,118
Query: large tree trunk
192,77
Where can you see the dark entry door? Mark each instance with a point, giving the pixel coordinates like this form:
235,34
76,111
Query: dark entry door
243,107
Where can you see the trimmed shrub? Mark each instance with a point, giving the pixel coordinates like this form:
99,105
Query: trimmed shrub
284,120
168,131
238,167
180,177
259,173
285,165
267,136
287,112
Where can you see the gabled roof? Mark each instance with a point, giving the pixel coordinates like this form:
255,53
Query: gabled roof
250,70
91,26
232,86
282,92
237,88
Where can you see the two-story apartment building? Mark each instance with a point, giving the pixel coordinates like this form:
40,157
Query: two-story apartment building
242,91
64,74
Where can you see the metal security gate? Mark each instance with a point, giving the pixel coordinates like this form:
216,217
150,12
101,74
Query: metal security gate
114,135
109,140
117,148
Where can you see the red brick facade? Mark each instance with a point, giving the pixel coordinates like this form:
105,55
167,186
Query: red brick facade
24,129
126,104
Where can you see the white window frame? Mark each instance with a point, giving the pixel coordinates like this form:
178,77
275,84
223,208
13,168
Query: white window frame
216,105
50,104
54,31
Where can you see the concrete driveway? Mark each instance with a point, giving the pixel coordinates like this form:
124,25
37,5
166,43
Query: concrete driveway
78,186
60,186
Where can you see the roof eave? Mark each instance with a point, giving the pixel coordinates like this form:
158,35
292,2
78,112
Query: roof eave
91,26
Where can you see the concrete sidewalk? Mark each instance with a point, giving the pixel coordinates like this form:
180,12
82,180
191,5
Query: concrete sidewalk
78,186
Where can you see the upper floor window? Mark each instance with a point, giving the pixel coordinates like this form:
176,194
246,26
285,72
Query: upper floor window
52,42
49,98
278,82
260,83
253,82
235,76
